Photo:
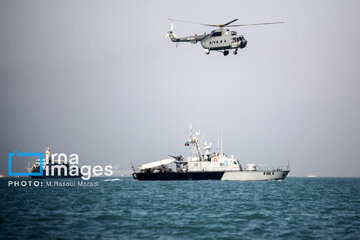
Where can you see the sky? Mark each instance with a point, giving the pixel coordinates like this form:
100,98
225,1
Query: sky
99,79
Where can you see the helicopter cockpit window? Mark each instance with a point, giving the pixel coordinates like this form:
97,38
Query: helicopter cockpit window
233,33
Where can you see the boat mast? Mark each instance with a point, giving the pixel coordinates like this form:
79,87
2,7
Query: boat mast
194,140
221,148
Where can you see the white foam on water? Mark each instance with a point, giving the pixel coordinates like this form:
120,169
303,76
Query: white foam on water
113,179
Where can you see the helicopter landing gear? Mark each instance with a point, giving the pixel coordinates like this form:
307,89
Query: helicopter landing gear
226,53
207,51
235,52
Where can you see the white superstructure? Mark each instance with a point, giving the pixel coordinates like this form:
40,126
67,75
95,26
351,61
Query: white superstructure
202,159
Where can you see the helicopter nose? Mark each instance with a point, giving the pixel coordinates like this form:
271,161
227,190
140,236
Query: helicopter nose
243,43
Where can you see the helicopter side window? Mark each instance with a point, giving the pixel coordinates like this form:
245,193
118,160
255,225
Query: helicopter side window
216,34
220,41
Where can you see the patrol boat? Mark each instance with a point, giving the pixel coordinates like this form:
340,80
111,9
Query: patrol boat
56,168
204,165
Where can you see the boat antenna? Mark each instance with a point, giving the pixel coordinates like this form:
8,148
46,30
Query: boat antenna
132,166
218,139
221,149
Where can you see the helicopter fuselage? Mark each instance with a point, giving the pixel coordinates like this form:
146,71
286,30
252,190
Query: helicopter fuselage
222,40
218,40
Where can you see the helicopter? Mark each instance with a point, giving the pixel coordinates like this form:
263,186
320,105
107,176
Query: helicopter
221,39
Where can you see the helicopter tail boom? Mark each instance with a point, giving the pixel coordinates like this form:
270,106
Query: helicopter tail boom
174,38
191,39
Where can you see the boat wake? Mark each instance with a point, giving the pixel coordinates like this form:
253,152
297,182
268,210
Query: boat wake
113,179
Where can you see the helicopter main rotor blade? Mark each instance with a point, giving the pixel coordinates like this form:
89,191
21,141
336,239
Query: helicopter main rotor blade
254,24
223,25
209,25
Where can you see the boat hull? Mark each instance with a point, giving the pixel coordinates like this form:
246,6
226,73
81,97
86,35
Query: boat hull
218,175
255,175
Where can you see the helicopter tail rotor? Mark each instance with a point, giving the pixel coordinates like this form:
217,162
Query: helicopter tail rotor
171,30
171,33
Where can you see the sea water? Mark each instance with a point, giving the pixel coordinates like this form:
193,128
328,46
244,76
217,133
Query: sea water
121,208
